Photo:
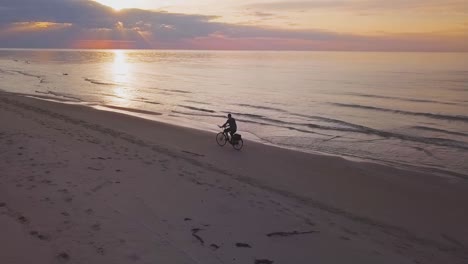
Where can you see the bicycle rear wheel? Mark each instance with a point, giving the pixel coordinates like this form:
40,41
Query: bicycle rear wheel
238,145
221,139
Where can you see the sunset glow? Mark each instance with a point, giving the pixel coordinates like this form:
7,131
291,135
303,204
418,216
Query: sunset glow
117,4
378,25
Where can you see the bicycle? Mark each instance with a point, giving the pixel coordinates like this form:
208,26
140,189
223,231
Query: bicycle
236,140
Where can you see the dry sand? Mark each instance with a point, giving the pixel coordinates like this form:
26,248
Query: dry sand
78,185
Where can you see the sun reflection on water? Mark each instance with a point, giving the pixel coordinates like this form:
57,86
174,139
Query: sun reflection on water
121,75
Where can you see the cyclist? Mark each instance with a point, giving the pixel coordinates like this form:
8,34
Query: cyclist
232,126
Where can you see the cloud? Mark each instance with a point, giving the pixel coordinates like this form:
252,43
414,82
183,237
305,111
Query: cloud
452,6
88,18
263,14
88,24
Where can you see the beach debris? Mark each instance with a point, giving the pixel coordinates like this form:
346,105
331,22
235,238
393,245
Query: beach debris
23,219
63,256
2,204
263,261
293,233
187,219
214,246
65,73
243,245
194,233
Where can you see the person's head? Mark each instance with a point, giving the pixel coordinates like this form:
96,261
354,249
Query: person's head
229,115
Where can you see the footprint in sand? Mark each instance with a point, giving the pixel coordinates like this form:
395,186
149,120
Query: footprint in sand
63,256
22,219
100,250
39,235
214,246
96,227
134,257
63,190
263,261
243,245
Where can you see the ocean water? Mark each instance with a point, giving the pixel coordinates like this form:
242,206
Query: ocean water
401,109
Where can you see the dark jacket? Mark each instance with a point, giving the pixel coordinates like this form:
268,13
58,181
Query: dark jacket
232,123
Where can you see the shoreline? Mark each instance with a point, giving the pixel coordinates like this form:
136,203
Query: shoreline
151,117
134,169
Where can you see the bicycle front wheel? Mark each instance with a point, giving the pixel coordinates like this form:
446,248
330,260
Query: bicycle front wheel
221,139
238,144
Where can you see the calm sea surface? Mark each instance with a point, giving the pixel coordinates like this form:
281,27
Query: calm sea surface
403,109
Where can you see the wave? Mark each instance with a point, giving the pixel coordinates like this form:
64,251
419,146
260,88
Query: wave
400,98
354,128
263,107
148,102
67,96
131,110
350,127
385,134
251,115
334,121
430,115
27,74
141,100
145,100
197,114
197,109
196,102
288,124
175,91
440,130
98,82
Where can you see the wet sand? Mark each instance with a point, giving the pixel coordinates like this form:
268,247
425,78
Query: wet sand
79,185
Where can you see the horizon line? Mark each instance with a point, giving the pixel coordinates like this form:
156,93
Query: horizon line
241,50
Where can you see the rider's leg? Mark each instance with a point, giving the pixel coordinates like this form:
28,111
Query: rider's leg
226,133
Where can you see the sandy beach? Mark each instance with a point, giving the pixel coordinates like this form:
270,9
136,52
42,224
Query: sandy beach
79,185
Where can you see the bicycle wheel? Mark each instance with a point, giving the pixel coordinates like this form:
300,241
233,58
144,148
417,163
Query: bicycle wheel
221,139
238,145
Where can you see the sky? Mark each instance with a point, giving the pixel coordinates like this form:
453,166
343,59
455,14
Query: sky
355,25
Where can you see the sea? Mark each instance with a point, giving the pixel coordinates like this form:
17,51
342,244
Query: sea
407,110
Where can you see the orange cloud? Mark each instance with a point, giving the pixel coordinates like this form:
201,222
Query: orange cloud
104,44
34,26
